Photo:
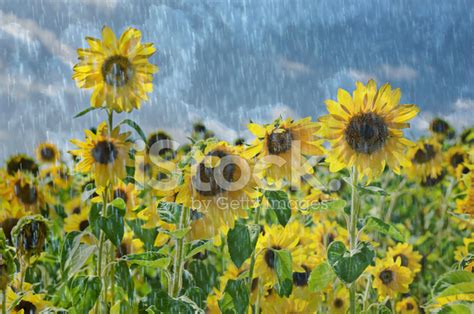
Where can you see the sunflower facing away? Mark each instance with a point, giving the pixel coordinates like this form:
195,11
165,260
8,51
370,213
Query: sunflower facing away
106,155
408,257
390,277
117,69
426,164
365,129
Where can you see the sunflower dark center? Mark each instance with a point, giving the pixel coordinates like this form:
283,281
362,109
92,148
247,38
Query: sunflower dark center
279,142
26,306
366,133
403,258
300,279
338,303
456,160
386,276
83,225
104,152
117,71
47,153
410,306
440,126
21,164
76,210
120,193
424,155
122,250
270,256
7,225
205,180
26,193
330,238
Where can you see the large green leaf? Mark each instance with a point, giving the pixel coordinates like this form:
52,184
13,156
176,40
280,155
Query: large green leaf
376,224
348,266
452,278
280,205
113,225
84,292
320,278
235,298
240,243
148,259
284,271
136,127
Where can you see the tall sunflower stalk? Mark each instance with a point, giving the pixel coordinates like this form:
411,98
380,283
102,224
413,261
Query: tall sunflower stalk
353,232
179,254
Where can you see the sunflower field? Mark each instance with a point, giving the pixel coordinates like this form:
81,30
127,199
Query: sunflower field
340,213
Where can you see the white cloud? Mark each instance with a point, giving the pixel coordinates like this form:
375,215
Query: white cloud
28,31
402,72
464,103
292,68
362,76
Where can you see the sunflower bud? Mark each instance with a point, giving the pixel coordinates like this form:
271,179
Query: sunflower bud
30,235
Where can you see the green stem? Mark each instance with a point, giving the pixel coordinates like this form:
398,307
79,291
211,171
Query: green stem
4,301
101,249
179,257
252,259
353,234
110,114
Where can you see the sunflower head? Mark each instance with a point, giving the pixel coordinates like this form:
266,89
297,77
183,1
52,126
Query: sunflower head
365,129
47,153
390,277
426,162
456,157
407,305
441,128
23,163
163,148
408,257
117,69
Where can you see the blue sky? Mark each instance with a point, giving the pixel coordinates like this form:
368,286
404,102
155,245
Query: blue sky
225,62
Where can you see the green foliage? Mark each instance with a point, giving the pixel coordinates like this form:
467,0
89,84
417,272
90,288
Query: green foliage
348,266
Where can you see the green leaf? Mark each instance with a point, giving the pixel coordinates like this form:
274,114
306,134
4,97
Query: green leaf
373,189
136,127
178,234
84,291
457,309
83,112
329,206
199,249
376,224
122,279
113,225
118,203
283,268
240,244
348,266
235,298
280,204
452,278
320,278
78,256
149,259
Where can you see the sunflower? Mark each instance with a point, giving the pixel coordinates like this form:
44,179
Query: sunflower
218,184
275,304
77,222
10,214
117,70
407,306
21,162
130,245
160,143
466,204
27,303
22,189
104,154
289,141
276,238
441,129
426,161
390,277
74,206
328,231
455,158
407,256
153,220
47,153
338,301
365,129
56,177
464,251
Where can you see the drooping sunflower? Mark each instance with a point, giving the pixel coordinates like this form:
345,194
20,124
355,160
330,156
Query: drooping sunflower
338,301
117,69
456,156
286,142
47,153
103,154
408,257
407,305
426,164
390,277
365,129
21,162
276,238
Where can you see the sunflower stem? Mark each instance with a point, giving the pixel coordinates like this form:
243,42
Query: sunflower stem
101,249
4,301
353,234
110,114
252,259
179,256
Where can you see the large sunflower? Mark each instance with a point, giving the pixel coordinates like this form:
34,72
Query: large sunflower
426,162
365,129
118,70
408,257
390,277
104,154
288,140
